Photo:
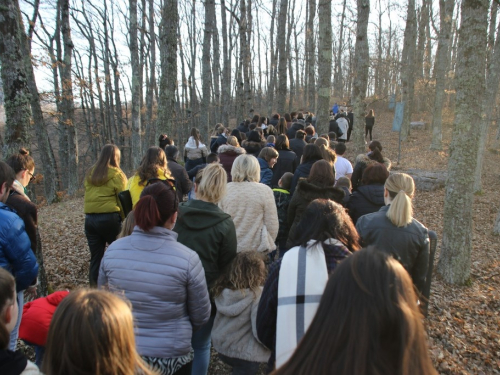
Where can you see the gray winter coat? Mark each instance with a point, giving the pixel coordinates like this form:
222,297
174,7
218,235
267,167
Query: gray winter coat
165,282
235,332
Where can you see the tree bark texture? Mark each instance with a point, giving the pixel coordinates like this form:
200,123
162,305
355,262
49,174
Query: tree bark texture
282,56
455,256
15,81
408,69
489,100
440,68
362,63
311,55
67,105
324,65
168,56
206,71
136,89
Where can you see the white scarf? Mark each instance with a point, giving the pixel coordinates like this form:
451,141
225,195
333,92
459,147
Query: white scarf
191,143
302,281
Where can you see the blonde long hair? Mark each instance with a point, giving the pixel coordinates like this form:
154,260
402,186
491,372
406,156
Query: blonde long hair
211,183
401,188
92,332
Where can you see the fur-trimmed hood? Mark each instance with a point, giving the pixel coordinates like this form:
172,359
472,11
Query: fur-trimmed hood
232,150
252,147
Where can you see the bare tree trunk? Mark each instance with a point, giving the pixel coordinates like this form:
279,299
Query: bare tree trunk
489,100
454,259
272,70
136,89
338,84
206,70
311,55
324,64
289,54
67,106
408,69
362,63
15,83
226,70
440,68
282,55
216,69
152,75
423,24
168,55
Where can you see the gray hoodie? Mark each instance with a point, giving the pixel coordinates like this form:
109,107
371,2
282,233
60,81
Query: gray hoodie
234,333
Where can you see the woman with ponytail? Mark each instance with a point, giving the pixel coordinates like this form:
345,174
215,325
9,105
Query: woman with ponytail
163,279
393,229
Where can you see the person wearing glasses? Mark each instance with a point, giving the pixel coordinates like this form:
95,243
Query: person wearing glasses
163,280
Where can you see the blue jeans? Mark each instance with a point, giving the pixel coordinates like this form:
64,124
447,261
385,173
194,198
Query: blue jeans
15,333
201,343
190,164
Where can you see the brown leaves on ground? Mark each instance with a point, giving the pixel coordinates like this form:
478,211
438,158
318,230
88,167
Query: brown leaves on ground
464,321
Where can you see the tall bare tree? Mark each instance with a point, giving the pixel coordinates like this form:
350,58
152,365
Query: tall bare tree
136,89
440,68
362,62
206,67
454,259
282,55
168,57
324,63
311,55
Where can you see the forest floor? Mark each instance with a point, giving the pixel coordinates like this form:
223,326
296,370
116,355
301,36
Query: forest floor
463,323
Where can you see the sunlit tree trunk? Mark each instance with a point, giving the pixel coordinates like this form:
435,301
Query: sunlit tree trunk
324,64
455,256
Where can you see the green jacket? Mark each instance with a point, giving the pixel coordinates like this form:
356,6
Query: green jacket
205,228
103,198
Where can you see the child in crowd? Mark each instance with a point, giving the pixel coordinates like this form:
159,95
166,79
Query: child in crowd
282,198
127,225
268,157
37,316
102,341
237,295
12,363
271,141
344,183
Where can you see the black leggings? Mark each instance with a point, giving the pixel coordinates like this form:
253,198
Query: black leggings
368,129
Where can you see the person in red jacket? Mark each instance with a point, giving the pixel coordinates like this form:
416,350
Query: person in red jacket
37,316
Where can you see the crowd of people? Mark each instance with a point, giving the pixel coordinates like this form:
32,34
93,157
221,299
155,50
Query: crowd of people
266,243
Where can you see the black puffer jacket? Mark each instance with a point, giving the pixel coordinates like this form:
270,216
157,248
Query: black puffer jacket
293,129
365,200
409,245
305,193
302,171
287,162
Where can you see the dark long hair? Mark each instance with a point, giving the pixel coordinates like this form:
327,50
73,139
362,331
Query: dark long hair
311,153
154,160
324,219
282,142
376,151
369,322
321,174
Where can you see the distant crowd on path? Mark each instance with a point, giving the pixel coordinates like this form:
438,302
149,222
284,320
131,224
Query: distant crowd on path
267,244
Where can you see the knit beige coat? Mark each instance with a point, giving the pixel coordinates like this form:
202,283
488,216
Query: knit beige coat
252,207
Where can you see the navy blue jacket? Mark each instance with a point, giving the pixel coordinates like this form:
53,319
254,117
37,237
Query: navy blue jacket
15,248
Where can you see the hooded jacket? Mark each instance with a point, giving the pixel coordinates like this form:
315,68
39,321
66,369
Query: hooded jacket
206,229
234,333
103,198
37,316
26,210
305,193
193,152
227,154
365,200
